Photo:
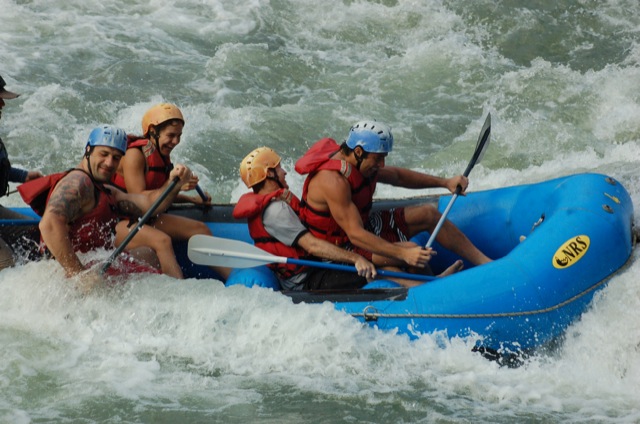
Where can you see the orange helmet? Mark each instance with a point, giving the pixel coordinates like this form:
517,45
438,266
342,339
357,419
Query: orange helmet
254,167
158,114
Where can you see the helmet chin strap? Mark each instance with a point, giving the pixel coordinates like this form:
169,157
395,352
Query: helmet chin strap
277,180
156,138
90,172
274,177
87,154
359,159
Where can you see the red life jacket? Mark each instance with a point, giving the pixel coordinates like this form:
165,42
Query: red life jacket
251,207
97,228
35,193
321,223
157,169
91,231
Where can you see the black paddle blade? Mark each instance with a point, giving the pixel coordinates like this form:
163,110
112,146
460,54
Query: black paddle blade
481,146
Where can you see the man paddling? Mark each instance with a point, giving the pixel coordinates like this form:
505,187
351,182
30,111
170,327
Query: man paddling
82,208
270,211
338,194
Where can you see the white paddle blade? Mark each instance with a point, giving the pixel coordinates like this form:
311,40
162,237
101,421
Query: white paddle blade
216,251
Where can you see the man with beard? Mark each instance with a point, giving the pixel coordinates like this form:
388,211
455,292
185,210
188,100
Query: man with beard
83,208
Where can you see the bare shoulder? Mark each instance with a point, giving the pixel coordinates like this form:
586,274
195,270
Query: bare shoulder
330,179
328,187
74,184
73,193
134,157
133,168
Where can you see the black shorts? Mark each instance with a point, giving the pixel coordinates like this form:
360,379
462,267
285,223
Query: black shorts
331,279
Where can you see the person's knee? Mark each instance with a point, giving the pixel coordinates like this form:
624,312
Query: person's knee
421,216
146,254
202,228
430,212
162,242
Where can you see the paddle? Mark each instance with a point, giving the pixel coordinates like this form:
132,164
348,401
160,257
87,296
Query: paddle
141,223
215,251
481,147
201,193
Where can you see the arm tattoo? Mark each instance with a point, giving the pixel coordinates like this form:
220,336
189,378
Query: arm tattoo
69,196
128,208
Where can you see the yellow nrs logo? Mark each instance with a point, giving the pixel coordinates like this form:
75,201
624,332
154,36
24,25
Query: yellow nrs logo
614,198
571,252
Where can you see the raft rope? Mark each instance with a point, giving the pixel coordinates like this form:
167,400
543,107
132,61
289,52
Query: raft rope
369,312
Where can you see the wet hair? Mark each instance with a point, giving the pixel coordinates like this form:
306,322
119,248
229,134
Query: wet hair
346,150
257,187
158,128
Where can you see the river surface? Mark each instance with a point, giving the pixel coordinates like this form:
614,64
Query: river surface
560,78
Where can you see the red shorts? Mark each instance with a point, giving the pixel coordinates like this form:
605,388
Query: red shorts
388,224
125,264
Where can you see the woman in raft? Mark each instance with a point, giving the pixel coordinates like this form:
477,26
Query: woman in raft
146,166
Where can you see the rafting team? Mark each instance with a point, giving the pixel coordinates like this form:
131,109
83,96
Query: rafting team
120,177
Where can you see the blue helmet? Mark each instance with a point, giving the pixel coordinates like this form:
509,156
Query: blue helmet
372,136
107,135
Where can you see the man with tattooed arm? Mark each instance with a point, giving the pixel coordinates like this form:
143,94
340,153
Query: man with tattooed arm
83,208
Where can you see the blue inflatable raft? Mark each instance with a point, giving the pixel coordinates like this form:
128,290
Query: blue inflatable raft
555,243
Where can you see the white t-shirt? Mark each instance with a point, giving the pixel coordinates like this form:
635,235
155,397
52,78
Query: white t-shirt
282,223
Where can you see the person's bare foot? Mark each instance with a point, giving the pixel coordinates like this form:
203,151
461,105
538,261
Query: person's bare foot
457,266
